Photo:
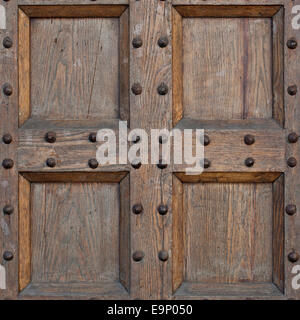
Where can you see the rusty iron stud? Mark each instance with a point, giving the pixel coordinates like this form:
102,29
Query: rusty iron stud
93,163
137,42
163,42
206,140
7,138
249,139
292,43
93,137
249,162
7,42
50,137
293,137
292,90
7,89
162,89
292,162
162,209
138,256
8,210
8,255
162,164
291,209
136,164
136,139
206,163
293,256
137,208
51,162
163,255
136,89
7,163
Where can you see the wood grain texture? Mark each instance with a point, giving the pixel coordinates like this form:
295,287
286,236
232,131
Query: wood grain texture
228,232
77,74
254,11
9,178
85,218
24,233
225,76
24,67
278,233
177,72
151,65
72,11
278,66
292,123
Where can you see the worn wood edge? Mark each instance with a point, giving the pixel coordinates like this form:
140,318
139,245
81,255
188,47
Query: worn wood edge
278,233
228,11
177,66
243,290
24,66
108,176
278,66
24,233
230,177
73,11
177,234
124,59
124,256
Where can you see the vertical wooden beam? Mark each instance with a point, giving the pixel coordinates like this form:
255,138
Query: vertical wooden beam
24,233
151,65
292,124
24,67
9,177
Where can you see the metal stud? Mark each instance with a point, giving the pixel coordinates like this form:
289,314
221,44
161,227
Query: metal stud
8,210
292,90
7,89
162,89
206,140
50,137
163,41
138,256
137,42
51,162
291,209
162,164
206,163
249,162
7,42
8,255
7,138
136,139
93,163
7,163
136,89
292,43
293,137
292,162
93,137
136,164
163,255
249,139
162,209
137,208
293,256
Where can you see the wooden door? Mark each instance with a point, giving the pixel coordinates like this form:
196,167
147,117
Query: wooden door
73,229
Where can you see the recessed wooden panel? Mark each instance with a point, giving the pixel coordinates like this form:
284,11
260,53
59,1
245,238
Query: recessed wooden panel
75,232
227,68
75,68
228,232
